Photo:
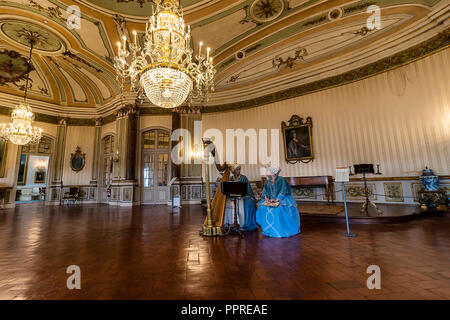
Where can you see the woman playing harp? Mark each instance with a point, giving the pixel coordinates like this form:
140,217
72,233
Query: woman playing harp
246,206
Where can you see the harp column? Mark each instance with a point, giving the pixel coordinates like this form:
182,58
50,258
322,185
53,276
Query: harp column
209,229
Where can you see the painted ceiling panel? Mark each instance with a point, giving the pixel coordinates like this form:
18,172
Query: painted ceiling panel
77,91
216,33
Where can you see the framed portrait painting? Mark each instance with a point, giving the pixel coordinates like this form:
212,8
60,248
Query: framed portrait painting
23,167
3,152
297,140
39,177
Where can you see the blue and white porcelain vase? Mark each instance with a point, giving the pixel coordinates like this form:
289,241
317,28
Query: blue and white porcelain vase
429,181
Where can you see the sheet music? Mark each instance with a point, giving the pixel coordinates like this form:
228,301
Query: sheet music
342,174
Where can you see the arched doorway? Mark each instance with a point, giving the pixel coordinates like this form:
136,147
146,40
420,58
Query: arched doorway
155,168
33,175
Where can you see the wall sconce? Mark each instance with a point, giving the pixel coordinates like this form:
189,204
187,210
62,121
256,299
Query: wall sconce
116,157
196,154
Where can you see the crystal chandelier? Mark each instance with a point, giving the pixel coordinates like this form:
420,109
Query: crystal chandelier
165,68
20,131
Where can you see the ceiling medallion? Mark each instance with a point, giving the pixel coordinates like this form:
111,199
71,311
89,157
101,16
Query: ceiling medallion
335,14
166,68
13,67
21,32
20,130
266,10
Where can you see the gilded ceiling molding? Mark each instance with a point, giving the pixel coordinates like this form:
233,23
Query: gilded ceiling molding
439,42
299,55
81,60
52,12
108,119
140,2
41,117
98,122
81,122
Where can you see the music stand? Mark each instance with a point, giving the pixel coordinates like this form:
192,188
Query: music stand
366,169
235,190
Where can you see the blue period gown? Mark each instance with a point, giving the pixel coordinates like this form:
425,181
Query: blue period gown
281,221
248,204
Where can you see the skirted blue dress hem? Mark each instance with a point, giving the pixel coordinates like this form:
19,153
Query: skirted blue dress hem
282,221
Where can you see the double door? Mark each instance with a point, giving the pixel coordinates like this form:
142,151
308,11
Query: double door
155,176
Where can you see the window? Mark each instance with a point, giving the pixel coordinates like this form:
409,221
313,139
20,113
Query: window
163,140
163,163
108,145
148,170
149,139
108,153
156,139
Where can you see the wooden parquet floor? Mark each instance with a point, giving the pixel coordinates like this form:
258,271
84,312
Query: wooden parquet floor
148,253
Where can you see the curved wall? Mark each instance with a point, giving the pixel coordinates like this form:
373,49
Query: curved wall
400,119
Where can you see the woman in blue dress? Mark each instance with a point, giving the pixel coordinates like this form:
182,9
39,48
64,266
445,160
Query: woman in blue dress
247,205
282,220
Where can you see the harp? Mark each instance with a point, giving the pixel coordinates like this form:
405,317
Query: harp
219,200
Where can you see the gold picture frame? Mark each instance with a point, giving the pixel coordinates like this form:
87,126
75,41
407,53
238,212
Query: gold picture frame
77,160
3,154
23,168
297,140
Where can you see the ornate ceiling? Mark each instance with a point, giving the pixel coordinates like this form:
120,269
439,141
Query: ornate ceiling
265,50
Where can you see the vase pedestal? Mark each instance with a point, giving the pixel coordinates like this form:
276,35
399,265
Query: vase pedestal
433,200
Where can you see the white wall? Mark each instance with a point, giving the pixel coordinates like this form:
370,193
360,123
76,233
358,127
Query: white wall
148,121
83,137
400,119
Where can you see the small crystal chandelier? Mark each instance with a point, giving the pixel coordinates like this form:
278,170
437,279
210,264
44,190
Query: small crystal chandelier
20,131
166,68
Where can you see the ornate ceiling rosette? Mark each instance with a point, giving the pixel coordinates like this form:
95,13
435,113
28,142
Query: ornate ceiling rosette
266,10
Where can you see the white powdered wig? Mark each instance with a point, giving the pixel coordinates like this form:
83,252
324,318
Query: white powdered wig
272,170
234,167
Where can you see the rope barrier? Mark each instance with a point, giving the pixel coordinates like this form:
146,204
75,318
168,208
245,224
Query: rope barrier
372,194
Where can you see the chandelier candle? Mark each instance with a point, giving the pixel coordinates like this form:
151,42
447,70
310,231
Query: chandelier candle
166,68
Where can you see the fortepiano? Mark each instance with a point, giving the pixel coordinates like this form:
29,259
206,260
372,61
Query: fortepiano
315,181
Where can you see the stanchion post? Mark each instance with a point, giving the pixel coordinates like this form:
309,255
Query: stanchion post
343,175
348,233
